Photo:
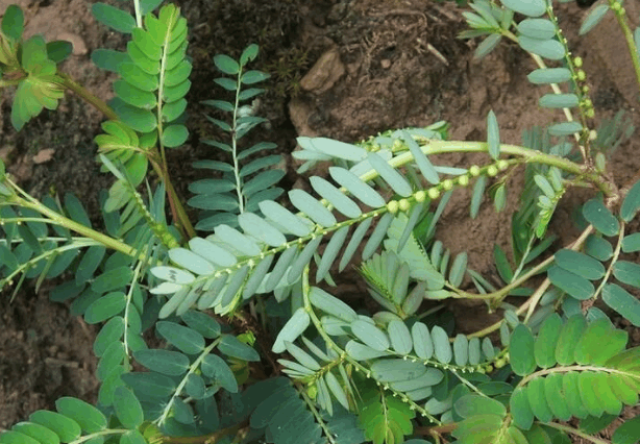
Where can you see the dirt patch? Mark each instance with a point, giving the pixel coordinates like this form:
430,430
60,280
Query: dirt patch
340,69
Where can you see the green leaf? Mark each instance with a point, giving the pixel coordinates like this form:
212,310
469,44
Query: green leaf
502,264
576,286
397,370
333,148
294,327
461,350
546,76
477,196
231,346
361,190
571,333
66,428
631,203
547,340
59,50
167,362
150,384
441,345
537,399
493,135
600,217
541,29
472,405
530,8
522,351
333,195
215,368
487,45
252,77
422,342
174,136
400,337
621,301
628,432
105,308
128,408
329,304
579,264
549,49
202,323
600,248
458,269
41,434
249,54
627,273
14,437
370,335
310,206
395,180
631,243
285,218
183,338
138,119
114,18
109,60
558,101
594,17
13,22
226,64
259,228
521,409
564,129
131,437
90,419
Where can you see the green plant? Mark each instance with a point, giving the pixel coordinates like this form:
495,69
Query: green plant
397,374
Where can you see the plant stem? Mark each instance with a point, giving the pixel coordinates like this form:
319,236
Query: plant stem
177,209
85,94
212,438
620,14
72,225
576,432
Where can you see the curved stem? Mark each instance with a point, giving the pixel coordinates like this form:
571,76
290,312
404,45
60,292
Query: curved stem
573,431
85,94
620,15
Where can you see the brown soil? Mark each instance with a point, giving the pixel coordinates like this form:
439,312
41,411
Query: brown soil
340,69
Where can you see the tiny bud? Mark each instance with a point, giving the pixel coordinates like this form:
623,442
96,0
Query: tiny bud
591,113
489,368
474,170
463,180
447,184
492,171
502,165
420,196
404,205
392,206
593,135
577,62
500,363
434,193
585,89
582,75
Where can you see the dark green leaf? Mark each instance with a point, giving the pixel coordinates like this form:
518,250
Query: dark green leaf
530,8
89,418
231,346
174,136
522,351
217,369
59,50
167,362
631,203
106,307
226,64
600,217
66,428
185,339
628,433
577,286
627,305
13,22
493,136
113,17
128,408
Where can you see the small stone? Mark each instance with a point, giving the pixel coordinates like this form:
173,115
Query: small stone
324,74
385,63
